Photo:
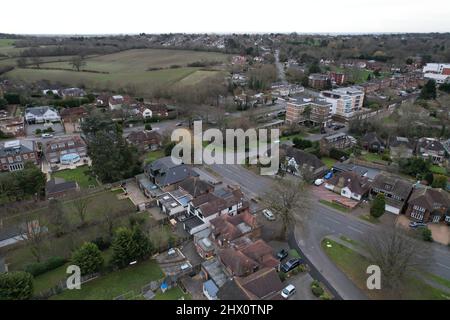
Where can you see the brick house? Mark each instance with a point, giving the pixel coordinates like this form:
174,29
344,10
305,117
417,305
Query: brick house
428,205
14,154
145,140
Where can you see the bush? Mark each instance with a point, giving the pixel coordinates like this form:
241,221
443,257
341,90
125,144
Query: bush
337,154
16,285
317,291
378,206
148,127
325,296
101,243
427,235
38,131
88,257
39,268
282,276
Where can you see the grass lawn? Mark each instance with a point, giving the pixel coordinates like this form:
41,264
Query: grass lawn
294,253
372,157
369,218
174,293
335,206
328,161
291,137
438,169
154,155
116,283
354,266
79,174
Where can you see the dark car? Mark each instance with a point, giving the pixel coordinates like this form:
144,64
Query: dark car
282,254
290,264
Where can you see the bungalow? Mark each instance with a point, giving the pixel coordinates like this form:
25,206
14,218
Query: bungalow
264,284
145,140
395,190
301,163
430,148
226,229
72,93
371,142
152,110
428,205
349,184
41,115
401,147
118,101
245,261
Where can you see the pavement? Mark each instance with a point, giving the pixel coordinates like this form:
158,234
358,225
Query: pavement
325,221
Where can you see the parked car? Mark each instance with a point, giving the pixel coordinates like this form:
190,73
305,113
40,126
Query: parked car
46,135
414,224
268,214
290,264
282,254
319,182
288,291
329,175
179,124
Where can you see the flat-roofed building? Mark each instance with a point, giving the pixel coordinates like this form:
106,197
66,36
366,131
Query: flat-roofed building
301,109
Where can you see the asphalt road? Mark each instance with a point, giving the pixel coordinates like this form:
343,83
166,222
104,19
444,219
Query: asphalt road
324,221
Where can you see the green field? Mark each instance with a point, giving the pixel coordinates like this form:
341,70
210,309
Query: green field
355,265
79,175
126,281
128,69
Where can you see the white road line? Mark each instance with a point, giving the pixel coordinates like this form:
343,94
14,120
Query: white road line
354,229
443,265
335,221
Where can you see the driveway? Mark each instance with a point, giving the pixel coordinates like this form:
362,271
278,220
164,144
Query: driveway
302,283
324,194
57,128
135,194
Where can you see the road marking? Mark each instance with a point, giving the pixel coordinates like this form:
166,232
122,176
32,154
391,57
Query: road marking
443,265
354,229
335,221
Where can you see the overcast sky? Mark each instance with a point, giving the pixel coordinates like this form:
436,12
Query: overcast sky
164,16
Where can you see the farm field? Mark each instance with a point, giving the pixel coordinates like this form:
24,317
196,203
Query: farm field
127,68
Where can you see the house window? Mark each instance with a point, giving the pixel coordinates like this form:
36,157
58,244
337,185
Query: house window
417,215
436,219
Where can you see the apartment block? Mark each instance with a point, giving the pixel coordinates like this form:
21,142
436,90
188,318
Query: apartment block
301,109
344,101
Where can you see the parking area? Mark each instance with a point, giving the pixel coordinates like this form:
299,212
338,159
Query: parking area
321,193
439,232
31,128
302,283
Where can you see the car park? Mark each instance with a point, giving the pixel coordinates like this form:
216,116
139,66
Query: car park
288,291
269,215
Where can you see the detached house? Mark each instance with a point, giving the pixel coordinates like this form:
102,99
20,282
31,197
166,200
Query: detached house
14,154
301,163
349,184
430,148
146,110
117,102
145,140
395,190
401,147
371,142
164,173
429,205
41,115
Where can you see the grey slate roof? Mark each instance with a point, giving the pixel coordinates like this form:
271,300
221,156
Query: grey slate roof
56,185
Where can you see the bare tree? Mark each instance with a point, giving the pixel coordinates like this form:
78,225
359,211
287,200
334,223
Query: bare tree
396,254
81,204
37,61
77,62
288,200
34,234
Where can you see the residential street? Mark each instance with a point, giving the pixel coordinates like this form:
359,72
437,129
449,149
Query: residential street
326,221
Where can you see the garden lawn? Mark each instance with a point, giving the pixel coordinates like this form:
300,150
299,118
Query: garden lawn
174,293
293,136
355,265
372,157
79,174
438,169
329,162
154,155
116,283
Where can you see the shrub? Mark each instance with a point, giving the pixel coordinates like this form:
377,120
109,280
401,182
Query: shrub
148,127
101,243
39,268
16,285
325,296
427,235
38,131
282,276
337,154
317,291
88,257
378,206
